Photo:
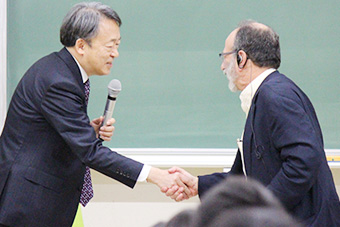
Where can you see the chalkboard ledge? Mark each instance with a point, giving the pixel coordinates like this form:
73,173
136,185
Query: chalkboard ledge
198,157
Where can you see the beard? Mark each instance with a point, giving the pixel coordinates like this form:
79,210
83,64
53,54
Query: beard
231,75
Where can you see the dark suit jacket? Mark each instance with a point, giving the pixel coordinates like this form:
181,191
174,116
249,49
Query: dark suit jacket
283,149
46,143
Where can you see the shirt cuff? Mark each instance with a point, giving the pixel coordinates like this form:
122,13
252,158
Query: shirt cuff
144,173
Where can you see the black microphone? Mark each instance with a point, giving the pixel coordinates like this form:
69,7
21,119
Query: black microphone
114,88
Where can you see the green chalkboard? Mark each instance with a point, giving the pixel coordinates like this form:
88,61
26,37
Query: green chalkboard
174,93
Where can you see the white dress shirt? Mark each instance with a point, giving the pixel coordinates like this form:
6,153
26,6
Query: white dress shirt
144,173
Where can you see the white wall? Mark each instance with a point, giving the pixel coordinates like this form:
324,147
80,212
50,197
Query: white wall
3,61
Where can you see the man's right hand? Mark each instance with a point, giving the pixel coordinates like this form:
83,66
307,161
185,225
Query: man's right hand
189,180
165,179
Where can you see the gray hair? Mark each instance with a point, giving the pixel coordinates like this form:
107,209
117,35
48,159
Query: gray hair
261,44
82,21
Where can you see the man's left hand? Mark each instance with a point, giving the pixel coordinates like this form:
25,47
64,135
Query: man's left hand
106,131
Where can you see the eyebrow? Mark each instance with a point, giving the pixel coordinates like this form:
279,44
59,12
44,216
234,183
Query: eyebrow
115,40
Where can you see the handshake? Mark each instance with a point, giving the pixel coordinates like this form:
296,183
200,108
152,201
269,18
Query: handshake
175,182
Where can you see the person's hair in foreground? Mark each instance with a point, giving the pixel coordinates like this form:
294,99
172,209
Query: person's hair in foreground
235,202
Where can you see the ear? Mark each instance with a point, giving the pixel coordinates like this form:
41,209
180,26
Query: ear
243,59
80,46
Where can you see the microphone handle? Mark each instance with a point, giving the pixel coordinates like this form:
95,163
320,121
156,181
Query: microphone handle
110,105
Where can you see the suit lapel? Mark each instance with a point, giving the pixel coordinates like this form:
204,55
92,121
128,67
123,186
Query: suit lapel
247,141
72,65
248,137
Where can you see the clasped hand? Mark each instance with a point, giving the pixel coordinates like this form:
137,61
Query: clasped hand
176,183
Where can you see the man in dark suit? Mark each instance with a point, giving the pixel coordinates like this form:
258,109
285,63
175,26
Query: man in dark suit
282,144
48,139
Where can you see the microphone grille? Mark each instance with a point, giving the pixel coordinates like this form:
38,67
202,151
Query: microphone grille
114,87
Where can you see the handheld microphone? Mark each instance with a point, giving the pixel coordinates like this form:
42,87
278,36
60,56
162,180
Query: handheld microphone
114,88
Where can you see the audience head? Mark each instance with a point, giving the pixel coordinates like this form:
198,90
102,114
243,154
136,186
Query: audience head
253,217
183,218
236,202
235,193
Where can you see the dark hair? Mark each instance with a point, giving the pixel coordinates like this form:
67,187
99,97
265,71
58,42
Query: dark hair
261,44
235,202
184,218
237,193
82,21
254,216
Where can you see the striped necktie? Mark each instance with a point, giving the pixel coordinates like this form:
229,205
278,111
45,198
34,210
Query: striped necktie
87,190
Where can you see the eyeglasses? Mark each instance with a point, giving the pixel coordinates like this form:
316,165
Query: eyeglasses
222,55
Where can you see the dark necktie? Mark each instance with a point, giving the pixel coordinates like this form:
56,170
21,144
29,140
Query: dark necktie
87,190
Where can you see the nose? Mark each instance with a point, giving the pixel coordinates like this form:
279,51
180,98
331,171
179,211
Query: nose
222,66
115,53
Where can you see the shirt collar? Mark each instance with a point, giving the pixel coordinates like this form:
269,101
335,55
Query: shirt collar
84,75
248,93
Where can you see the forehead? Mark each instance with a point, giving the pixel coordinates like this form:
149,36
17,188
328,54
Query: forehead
108,31
229,42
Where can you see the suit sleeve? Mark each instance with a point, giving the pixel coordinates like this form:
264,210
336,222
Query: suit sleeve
206,182
63,107
294,136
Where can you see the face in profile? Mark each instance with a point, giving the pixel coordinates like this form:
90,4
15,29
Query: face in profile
230,72
229,62
100,53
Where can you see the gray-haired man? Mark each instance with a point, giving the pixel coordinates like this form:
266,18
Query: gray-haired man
48,141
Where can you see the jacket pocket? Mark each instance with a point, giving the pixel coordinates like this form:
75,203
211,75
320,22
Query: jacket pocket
44,179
